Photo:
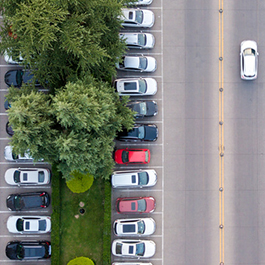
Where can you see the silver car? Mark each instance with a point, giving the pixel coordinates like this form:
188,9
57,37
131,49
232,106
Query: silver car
136,86
249,60
135,40
134,179
146,64
134,227
139,18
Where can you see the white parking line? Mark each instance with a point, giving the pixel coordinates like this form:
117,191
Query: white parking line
149,121
13,235
139,143
9,65
133,190
129,76
5,138
146,53
3,114
26,187
3,90
130,167
45,211
28,261
24,163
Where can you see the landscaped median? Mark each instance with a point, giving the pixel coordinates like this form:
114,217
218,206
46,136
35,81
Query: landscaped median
81,222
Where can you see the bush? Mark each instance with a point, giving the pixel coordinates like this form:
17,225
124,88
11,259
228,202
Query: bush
80,182
81,261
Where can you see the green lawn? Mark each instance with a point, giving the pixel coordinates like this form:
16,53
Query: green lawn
82,236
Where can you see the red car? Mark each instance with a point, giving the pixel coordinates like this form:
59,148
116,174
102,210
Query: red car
136,205
132,156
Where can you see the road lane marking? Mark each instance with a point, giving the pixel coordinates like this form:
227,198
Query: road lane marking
221,132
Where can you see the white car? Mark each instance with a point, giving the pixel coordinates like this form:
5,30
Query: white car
136,86
249,60
27,176
134,227
135,40
133,248
132,263
141,63
29,224
135,17
10,156
141,3
134,179
9,59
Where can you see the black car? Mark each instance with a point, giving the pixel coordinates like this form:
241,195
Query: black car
17,77
9,129
140,132
30,200
28,250
145,108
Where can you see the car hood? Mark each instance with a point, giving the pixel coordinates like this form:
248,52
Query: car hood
151,64
11,224
151,133
150,226
150,204
148,18
10,202
8,153
151,86
150,249
151,108
150,40
152,177
10,78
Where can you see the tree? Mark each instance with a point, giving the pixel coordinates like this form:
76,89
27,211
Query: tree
63,40
74,128
80,182
81,261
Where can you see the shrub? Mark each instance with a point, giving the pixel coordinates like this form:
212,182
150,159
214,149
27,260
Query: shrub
80,182
81,261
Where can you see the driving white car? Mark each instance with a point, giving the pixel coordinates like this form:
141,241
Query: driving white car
29,224
136,86
134,179
27,176
134,227
138,40
136,17
249,60
141,63
133,248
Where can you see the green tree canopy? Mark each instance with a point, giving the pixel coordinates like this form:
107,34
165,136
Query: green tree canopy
74,128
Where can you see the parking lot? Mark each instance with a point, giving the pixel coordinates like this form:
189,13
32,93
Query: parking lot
6,189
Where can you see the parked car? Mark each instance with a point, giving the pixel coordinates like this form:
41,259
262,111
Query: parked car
134,178
132,156
136,17
10,60
26,201
138,40
28,250
10,156
134,227
132,263
139,133
136,86
17,77
135,205
9,129
29,224
142,3
143,108
133,248
7,105
27,176
146,64
249,60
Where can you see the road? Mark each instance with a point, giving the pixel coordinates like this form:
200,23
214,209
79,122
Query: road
190,207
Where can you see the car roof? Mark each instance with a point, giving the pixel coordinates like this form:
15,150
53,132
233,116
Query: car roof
137,156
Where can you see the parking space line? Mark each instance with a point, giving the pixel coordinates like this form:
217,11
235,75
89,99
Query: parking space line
26,187
149,121
157,213
43,211
13,235
5,138
133,190
140,143
3,114
129,76
28,261
136,168
3,90
147,53
24,163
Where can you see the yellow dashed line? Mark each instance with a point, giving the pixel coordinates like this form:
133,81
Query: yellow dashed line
221,131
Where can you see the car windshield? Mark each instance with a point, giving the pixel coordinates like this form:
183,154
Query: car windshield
142,108
142,86
143,178
141,205
141,132
20,223
143,63
118,248
139,249
20,251
249,52
42,225
41,176
139,16
125,156
146,156
142,39
17,202
141,227
19,77
17,176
